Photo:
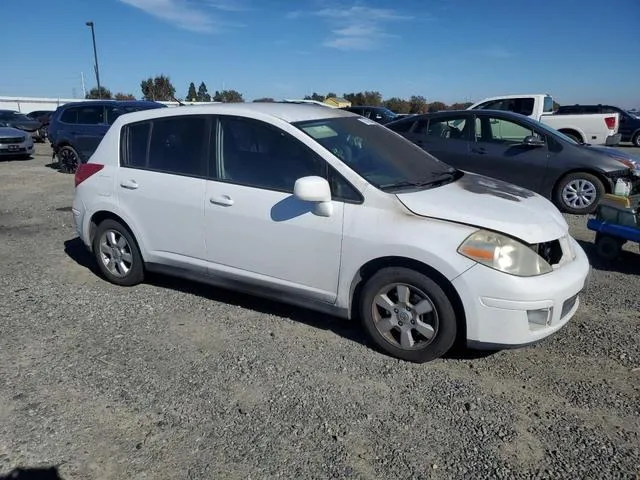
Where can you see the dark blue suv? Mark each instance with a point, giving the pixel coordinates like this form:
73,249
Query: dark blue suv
76,128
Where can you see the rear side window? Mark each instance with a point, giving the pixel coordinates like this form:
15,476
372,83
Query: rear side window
70,115
175,145
93,115
523,105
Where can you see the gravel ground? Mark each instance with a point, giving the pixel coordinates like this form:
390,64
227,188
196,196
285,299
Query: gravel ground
175,380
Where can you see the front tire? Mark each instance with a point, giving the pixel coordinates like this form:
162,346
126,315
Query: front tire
608,248
636,140
117,254
579,193
408,315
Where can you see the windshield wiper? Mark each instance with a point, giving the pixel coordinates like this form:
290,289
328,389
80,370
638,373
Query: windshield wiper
438,179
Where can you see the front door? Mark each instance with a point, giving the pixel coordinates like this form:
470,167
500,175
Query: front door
161,184
499,152
255,229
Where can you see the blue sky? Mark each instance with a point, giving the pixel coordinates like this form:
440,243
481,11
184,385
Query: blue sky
447,50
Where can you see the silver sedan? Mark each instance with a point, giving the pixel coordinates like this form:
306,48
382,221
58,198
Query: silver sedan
15,143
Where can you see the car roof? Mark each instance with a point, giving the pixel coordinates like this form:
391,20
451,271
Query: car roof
288,112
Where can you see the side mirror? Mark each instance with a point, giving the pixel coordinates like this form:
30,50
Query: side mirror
317,190
532,141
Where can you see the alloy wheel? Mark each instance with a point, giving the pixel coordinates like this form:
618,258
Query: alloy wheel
115,253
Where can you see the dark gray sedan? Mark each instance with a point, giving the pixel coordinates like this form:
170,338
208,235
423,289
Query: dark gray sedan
13,119
522,151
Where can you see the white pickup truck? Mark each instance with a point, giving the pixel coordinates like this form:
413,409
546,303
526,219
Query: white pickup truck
596,128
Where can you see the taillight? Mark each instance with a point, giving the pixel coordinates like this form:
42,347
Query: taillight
611,122
85,170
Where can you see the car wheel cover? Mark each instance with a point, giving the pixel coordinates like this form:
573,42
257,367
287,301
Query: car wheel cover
405,316
579,193
115,253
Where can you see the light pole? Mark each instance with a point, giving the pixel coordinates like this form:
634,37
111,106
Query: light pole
95,55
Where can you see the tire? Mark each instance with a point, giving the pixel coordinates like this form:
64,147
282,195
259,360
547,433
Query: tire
433,330
68,159
123,266
578,193
636,139
573,136
608,247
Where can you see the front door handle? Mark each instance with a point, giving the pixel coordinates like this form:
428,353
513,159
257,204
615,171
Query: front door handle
479,150
224,200
129,184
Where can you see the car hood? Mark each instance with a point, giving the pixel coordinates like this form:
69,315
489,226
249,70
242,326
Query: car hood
28,125
492,204
10,132
615,153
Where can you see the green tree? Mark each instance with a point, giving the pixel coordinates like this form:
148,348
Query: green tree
397,105
192,94
460,105
158,88
417,104
228,96
264,100
437,106
203,95
314,96
331,95
123,96
369,98
104,93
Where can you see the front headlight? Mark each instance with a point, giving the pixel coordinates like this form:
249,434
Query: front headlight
504,254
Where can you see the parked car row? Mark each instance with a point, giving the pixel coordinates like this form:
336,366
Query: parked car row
332,211
19,121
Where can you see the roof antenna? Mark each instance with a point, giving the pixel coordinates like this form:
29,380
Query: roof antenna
176,100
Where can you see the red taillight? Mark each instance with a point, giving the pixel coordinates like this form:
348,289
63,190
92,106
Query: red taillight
611,122
85,170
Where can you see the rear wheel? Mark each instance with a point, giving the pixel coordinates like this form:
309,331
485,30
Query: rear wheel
117,254
68,159
408,315
636,139
573,136
578,193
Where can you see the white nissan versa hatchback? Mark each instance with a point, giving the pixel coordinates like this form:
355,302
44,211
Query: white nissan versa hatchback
326,209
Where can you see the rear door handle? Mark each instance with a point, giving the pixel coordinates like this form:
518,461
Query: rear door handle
129,184
224,200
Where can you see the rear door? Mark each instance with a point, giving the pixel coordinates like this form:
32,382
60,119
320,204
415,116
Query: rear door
161,183
90,127
498,151
447,137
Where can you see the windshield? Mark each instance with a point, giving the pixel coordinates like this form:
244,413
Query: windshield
13,116
380,156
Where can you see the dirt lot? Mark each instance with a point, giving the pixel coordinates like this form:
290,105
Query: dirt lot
175,380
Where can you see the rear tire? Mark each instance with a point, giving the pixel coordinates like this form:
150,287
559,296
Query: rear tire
407,315
578,193
573,136
68,159
117,254
636,140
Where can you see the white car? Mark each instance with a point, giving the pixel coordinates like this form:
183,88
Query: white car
328,210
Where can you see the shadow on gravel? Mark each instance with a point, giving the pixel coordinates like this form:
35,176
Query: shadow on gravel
76,250
350,330
43,473
17,158
628,262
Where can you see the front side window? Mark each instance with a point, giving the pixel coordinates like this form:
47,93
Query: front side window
261,155
498,130
382,158
175,145
547,106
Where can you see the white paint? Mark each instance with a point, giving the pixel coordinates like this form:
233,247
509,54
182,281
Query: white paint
273,239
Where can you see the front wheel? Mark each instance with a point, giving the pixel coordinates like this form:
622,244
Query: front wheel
636,140
408,315
578,193
608,248
117,254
